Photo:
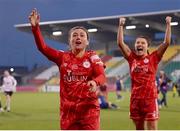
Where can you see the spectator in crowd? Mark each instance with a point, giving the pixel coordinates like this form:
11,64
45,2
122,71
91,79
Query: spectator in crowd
119,87
158,91
163,83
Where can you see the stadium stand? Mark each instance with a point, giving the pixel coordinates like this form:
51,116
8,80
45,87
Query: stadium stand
114,66
47,74
106,58
170,52
112,63
122,69
100,52
28,77
173,65
54,81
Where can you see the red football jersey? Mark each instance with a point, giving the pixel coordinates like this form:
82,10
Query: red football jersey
143,73
74,75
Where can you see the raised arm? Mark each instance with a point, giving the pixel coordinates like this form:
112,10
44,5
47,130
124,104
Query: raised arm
120,39
167,39
50,53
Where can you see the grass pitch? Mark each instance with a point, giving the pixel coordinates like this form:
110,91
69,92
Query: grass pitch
40,111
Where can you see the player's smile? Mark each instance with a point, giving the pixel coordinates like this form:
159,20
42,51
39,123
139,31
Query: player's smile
141,46
140,50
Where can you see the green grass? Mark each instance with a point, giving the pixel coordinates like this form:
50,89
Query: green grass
32,111
40,111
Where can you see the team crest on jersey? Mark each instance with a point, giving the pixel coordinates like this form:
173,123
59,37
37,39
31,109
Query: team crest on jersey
146,60
86,64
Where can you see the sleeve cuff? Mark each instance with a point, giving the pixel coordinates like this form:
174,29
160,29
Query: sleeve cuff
97,83
34,28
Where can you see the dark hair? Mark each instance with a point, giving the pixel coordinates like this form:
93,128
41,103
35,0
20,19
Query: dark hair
146,38
78,27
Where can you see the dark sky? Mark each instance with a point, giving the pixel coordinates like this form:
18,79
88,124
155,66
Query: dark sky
18,49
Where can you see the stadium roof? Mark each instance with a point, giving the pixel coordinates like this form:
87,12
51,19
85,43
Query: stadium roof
149,23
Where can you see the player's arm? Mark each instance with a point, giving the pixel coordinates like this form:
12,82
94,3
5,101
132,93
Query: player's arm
120,39
98,72
99,78
167,39
14,82
49,52
100,75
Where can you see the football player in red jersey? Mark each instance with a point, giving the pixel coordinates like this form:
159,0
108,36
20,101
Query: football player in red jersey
81,73
143,67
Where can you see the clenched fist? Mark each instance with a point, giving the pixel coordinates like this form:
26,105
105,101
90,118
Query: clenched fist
34,17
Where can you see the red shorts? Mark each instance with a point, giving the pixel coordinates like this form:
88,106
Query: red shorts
144,109
87,118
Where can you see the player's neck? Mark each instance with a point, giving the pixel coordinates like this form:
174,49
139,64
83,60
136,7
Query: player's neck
78,53
142,56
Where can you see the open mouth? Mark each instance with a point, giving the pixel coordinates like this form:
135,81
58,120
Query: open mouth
139,49
78,42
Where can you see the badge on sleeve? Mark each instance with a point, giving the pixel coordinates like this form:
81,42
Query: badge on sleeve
95,58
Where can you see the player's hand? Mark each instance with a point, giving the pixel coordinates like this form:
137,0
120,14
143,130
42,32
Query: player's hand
14,89
122,21
34,17
93,86
168,20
